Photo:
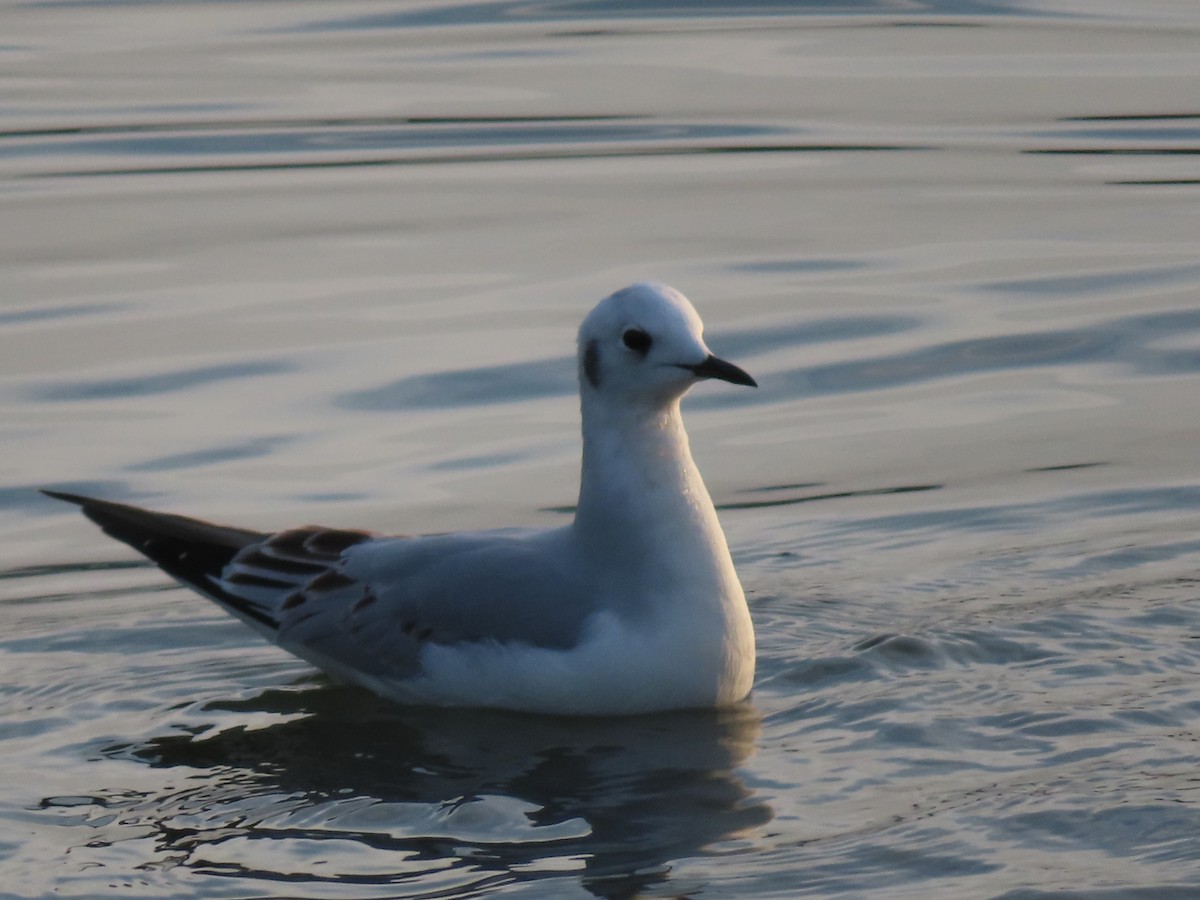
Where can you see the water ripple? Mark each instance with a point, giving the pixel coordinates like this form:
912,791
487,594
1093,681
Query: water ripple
282,138
555,377
157,383
208,456
1129,340
508,12
279,144
1099,283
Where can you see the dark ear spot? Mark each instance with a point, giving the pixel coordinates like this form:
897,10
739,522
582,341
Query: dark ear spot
591,363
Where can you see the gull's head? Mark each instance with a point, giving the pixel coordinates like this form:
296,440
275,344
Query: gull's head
645,345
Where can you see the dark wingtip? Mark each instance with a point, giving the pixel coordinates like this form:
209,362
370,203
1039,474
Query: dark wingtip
131,524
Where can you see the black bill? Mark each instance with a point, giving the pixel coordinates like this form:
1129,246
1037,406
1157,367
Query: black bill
726,371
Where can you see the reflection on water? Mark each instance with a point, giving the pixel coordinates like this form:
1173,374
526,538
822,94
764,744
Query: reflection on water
479,799
277,262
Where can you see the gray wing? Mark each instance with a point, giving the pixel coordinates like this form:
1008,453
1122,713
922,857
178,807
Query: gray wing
344,601
357,603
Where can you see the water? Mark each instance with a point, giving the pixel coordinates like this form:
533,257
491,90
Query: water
277,262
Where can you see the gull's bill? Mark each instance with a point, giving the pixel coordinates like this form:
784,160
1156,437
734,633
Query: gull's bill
712,367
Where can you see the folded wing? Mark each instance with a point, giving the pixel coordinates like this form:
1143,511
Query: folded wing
362,605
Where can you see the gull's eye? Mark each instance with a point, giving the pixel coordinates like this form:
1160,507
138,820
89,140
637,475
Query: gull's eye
637,340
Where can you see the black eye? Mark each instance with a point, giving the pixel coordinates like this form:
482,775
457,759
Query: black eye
637,340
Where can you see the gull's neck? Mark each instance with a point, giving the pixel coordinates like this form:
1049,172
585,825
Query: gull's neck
641,497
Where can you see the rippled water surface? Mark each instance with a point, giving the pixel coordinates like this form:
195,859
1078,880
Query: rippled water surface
281,262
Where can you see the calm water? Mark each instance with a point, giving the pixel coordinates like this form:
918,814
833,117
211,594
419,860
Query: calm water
282,262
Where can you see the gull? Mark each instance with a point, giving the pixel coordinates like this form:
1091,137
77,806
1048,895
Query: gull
634,607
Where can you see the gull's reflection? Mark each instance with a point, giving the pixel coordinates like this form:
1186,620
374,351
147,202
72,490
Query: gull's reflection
468,798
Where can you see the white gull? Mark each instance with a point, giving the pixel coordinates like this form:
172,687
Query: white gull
634,607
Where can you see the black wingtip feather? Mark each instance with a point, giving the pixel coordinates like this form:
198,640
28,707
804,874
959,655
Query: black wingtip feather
187,549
